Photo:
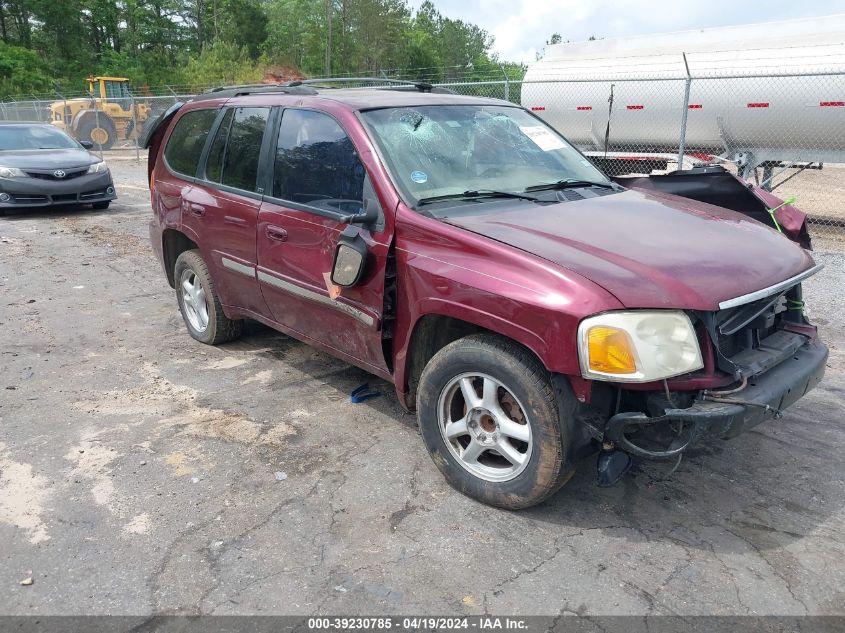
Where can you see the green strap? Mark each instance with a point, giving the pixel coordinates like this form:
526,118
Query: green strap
790,200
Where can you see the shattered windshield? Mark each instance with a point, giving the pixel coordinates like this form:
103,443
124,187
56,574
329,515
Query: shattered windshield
443,151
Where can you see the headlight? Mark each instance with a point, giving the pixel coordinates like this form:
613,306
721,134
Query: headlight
11,172
638,346
98,168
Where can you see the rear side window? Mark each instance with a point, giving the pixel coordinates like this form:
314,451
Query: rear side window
233,157
316,163
240,163
214,164
187,141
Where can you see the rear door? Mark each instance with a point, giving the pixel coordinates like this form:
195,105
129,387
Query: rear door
172,180
222,206
317,179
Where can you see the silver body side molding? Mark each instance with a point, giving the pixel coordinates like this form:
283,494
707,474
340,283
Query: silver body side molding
231,264
771,290
299,291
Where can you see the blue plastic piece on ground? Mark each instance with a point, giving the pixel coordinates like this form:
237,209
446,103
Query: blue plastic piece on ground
359,394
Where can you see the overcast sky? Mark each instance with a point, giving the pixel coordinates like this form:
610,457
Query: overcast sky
521,27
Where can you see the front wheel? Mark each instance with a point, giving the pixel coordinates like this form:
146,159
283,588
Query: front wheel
489,418
199,304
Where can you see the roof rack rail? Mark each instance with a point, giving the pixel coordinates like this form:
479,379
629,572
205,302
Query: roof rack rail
222,92
333,80
233,87
392,84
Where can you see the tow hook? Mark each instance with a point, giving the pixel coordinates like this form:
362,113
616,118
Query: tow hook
612,464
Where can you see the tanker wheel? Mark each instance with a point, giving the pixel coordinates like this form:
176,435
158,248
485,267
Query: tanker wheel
101,133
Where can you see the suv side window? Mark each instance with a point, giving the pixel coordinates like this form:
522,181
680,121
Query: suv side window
214,162
316,163
187,140
234,153
240,160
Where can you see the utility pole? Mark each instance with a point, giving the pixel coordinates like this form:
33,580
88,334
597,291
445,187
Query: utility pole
329,7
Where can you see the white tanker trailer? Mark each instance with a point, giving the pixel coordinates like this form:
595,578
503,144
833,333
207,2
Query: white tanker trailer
757,95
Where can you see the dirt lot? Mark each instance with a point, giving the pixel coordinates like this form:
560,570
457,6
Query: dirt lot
138,471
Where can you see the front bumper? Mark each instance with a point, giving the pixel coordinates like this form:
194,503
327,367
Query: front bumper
765,397
38,192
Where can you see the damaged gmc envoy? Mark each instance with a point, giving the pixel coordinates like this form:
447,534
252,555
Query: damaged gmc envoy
532,311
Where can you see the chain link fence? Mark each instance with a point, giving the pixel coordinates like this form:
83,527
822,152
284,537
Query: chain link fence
783,132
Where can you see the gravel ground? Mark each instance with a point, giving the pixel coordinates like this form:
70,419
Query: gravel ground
139,471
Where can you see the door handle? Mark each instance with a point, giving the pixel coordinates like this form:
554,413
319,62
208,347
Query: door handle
276,233
196,209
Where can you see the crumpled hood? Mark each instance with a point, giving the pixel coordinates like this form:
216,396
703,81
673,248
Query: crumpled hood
44,159
650,250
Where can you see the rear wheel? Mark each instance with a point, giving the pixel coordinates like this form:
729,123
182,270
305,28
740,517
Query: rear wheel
199,304
489,418
100,131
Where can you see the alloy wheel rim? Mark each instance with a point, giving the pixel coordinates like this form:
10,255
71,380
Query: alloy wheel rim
485,427
194,301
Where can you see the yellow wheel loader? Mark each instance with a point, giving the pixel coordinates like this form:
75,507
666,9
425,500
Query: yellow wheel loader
108,115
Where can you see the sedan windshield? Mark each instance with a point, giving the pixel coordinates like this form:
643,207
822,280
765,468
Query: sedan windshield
444,153
20,137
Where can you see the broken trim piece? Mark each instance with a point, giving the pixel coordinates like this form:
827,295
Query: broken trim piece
771,290
305,293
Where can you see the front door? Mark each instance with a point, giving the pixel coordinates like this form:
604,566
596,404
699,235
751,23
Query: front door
317,179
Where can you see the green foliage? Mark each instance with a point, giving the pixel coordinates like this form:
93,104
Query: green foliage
220,63
242,23
196,43
22,71
296,34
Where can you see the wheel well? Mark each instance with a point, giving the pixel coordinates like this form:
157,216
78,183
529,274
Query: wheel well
173,244
432,333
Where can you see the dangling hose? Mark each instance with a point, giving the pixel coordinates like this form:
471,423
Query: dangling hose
727,392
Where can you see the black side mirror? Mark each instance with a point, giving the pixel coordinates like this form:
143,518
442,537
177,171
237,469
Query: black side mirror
367,217
350,258
87,144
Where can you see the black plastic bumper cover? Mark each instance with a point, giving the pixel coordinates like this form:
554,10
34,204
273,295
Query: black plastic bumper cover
765,397
35,192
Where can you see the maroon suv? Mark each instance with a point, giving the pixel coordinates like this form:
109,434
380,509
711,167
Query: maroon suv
532,311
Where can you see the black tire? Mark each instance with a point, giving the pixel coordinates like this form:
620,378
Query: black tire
220,328
520,372
90,123
101,205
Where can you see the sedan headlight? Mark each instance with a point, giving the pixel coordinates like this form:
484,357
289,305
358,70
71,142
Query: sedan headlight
98,168
638,346
11,172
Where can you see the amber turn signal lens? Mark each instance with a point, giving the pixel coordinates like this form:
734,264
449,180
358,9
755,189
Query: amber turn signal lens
611,350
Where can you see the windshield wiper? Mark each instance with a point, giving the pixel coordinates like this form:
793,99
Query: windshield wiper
475,194
570,184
